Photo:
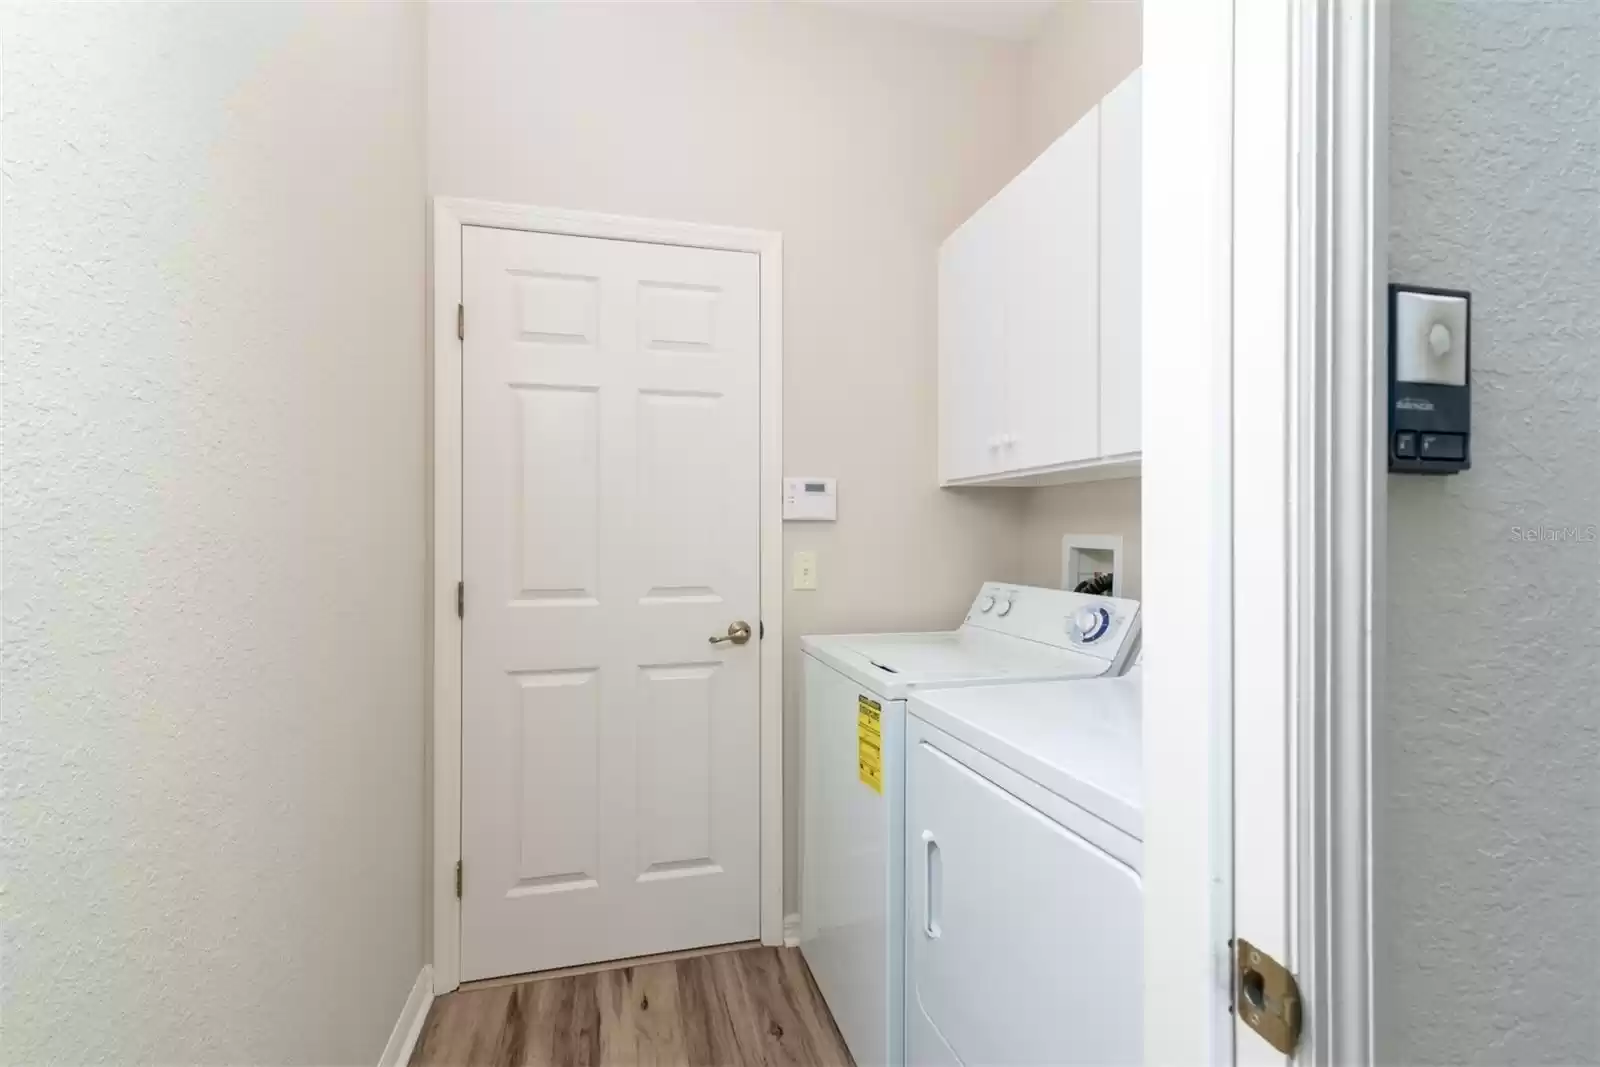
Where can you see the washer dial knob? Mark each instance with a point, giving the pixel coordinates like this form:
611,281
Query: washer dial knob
1005,608
1089,624
986,605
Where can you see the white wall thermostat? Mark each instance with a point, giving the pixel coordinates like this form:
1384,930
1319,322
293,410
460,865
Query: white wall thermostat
810,499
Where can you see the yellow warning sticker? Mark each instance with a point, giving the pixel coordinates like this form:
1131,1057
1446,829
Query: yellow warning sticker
869,743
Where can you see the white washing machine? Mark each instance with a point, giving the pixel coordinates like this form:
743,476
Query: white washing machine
1025,909
853,862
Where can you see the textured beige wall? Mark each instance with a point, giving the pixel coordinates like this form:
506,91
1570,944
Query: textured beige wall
1082,51
211,701
866,141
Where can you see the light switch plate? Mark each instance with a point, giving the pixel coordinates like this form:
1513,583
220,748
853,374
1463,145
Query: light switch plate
805,570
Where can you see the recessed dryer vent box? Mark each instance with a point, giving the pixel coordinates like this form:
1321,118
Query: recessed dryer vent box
1087,556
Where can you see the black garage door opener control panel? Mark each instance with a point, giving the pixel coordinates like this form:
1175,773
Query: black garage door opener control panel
1430,395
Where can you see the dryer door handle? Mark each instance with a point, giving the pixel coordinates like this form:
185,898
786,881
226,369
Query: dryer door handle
933,890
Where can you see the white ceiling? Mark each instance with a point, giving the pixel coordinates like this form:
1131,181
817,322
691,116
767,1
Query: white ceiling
1014,20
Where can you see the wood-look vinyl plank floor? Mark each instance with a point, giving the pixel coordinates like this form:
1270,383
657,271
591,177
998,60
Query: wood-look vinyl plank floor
757,1007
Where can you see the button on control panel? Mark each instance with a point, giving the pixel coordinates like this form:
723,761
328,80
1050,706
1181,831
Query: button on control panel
1442,446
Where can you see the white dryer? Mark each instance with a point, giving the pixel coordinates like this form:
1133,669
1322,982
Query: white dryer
853,861
1025,909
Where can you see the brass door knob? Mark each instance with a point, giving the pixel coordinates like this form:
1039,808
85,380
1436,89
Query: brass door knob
738,633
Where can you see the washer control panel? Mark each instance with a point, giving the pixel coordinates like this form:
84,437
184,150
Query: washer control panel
1103,626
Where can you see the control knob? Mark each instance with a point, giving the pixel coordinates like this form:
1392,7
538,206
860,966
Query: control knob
1089,624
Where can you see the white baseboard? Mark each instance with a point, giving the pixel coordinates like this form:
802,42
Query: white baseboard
791,930
408,1028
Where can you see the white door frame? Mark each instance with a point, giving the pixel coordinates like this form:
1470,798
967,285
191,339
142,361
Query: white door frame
1264,190
449,216
1341,509
1186,515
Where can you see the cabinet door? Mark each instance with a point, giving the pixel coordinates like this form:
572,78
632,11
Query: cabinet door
1053,303
1120,356
972,346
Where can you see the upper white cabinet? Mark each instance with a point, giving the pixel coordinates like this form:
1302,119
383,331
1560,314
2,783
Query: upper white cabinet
1039,315
972,322
1052,304
1119,269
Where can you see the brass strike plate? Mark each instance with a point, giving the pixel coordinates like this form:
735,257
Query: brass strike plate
1268,998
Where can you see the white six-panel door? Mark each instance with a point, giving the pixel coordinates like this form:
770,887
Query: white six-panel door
610,528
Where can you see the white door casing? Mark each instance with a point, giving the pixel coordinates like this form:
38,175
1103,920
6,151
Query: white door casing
1262,481
1263,505
1186,515
610,526
1308,497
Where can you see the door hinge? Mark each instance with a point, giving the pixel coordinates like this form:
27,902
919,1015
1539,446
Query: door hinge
458,879
1268,997
461,600
763,625
461,322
